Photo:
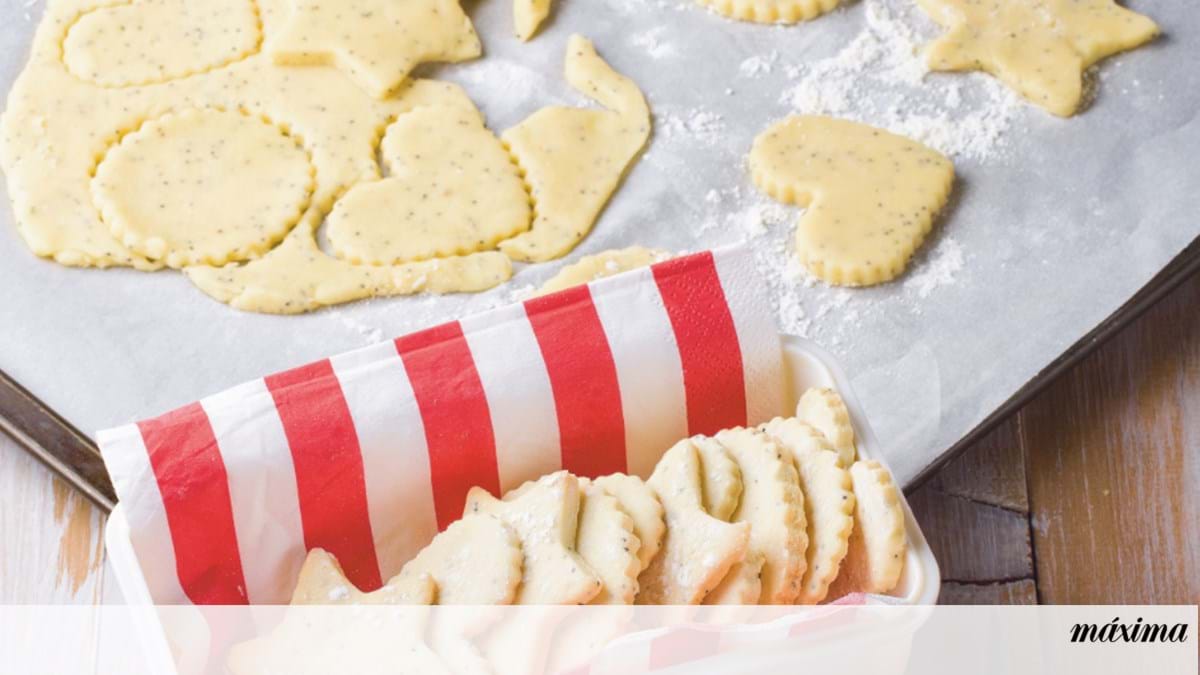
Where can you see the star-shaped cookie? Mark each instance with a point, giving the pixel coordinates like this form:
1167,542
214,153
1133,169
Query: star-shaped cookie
375,42
1040,48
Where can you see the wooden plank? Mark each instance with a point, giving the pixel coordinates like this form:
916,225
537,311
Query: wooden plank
1113,455
973,542
51,536
991,471
1020,592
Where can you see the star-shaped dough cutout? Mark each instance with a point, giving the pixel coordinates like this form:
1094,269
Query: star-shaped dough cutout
375,42
1040,48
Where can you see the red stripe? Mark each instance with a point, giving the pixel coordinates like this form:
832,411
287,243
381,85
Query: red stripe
583,377
713,378
329,468
454,410
195,491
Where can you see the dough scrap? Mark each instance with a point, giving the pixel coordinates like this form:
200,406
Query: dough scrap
774,507
698,550
376,43
452,190
528,15
574,158
203,187
57,127
155,41
824,410
644,508
1039,48
608,544
589,268
771,11
871,196
296,277
828,503
477,560
742,585
545,515
721,478
875,557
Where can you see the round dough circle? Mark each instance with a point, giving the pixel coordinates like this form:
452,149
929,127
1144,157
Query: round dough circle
453,190
203,187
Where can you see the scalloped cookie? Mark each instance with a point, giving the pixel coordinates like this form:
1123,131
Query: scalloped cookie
322,582
644,509
774,507
545,515
875,557
828,503
870,196
608,544
824,410
721,478
698,550
477,560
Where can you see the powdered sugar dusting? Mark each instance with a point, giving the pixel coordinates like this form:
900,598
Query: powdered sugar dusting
880,78
945,261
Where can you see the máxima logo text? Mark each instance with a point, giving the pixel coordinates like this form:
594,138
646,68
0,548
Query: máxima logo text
1138,631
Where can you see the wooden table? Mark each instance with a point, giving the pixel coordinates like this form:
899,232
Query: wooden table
1090,494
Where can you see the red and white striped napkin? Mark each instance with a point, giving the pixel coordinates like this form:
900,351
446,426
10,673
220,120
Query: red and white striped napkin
368,454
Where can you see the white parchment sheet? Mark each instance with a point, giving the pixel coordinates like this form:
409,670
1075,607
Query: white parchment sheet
1054,222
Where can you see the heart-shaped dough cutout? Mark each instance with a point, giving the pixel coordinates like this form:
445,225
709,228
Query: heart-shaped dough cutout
453,190
155,41
870,195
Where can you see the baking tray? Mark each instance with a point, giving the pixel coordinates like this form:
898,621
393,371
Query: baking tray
1067,234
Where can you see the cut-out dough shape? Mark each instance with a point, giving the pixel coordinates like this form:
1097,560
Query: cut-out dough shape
828,503
871,196
875,557
601,265
376,43
574,158
721,478
698,550
1039,48
607,543
545,515
475,561
824,410
774,507
203,187
322,582
643,507
153,41
528,15
453,190
771,11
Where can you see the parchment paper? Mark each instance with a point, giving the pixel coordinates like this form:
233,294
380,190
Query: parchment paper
1056,231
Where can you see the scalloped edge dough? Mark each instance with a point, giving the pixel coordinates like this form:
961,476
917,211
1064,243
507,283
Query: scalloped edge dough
771,11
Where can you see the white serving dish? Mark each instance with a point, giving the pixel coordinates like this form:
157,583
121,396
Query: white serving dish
807,366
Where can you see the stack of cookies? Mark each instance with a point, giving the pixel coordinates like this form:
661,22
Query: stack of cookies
783,513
